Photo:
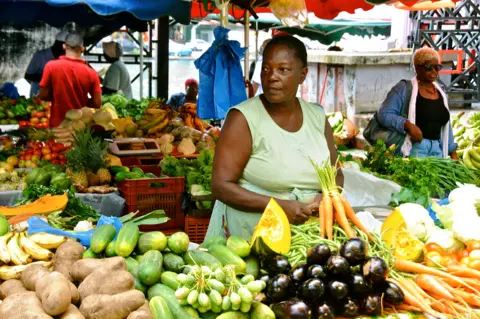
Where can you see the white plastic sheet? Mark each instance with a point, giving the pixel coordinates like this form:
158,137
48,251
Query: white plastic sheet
362,189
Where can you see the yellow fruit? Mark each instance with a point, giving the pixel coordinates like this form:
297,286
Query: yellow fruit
12,160
8,167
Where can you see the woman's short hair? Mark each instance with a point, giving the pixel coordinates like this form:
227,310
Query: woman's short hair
424,55
292,43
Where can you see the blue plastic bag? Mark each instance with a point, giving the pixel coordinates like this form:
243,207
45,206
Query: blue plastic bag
38,225
432,213
221,77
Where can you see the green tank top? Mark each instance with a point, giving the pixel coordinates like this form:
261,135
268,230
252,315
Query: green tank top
279,165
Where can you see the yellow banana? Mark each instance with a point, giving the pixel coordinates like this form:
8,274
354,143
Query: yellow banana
155,111
159,127
14,272
47,241
33,249
475,153
466,159
18,257
4,254
154,121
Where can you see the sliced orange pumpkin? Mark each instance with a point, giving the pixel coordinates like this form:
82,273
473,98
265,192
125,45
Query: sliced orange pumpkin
272,231
44,205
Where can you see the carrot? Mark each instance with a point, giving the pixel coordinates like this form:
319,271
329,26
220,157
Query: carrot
328,209
441,307
350,213
462,296
321,219
470,281
457,307
340,215
463,271
406,307
413,267
416,291
430,284
413,300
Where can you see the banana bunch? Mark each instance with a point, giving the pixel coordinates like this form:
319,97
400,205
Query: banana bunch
154,120
336,122
18,250
465,134
471,157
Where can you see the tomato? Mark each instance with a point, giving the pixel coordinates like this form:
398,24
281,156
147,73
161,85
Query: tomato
34,120
37,153
57,148
431,247
62,157
55,161
28,157
30,143
54,155
473,246
38,115
435,260
47,157
23,123
46,150
43,125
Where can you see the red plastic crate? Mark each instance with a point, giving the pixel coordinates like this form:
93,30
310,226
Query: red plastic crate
196,228
130,161
147,195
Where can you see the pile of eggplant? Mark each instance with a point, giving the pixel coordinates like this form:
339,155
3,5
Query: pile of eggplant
346,283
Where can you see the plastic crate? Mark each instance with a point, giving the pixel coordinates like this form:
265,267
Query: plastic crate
196,228
147,195
130,161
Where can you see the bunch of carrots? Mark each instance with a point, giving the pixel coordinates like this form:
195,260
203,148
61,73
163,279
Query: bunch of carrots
334,207
451,293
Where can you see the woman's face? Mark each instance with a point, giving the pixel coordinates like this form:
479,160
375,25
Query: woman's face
428,72
282,73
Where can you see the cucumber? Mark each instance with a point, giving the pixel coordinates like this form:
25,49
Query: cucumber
101,237
159,308
131,263
234,315
137,284
239,246
139,258
169,295
150,175
150,268
127,240
253,266
178,243
155,240
214,240
201,258
191,311
169,278
110,251
228,257
172,262
90,254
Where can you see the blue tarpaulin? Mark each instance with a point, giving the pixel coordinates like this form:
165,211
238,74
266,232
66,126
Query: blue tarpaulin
112,13
221,77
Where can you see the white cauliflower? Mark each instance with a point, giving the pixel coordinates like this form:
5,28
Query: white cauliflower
83,225
466,229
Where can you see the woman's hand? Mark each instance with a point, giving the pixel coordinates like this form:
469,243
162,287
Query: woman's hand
315,204
296,212
414,131
454,156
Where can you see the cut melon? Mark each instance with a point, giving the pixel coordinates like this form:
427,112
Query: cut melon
44,205
74,115
272,231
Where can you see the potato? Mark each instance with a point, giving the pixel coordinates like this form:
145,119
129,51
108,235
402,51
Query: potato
72,313
54,292
66,255
31,274
23,306
10,287
106,282
141,313
75,294
118,306
82,268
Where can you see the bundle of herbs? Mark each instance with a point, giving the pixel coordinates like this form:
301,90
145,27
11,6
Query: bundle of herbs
429,177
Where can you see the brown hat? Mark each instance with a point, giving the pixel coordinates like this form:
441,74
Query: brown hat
112,49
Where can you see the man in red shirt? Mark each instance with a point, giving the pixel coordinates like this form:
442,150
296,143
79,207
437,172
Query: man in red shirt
69,83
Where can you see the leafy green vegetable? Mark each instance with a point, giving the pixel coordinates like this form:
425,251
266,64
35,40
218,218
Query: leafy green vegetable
75,211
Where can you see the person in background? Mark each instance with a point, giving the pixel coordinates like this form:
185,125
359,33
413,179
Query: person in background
427,124
117,77
256,86
69,83
190,96
35,69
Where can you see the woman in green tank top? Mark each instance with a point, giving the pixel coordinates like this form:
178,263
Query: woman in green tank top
265,147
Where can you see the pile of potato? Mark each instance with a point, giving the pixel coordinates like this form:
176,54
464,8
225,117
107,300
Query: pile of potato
76,289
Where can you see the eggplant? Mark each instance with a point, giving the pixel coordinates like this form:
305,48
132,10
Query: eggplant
375,270
291,309
316,271
358,284
348,308
354,251
311,290
276,265
298,274
338,266
371,305
337,290
393,294
323,311
318,255
279,288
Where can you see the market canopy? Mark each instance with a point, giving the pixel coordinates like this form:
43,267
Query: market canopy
87,13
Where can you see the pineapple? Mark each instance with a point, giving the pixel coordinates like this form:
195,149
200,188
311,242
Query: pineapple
93,179
105,176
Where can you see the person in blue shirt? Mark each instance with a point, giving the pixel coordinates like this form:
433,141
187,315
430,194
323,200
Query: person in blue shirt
35,69
190,96
427,127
